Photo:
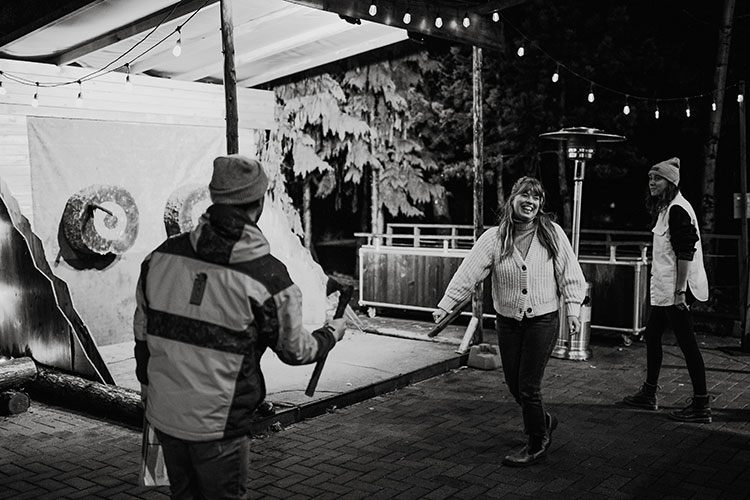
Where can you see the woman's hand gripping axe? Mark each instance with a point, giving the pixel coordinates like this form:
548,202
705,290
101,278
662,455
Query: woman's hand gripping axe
345,295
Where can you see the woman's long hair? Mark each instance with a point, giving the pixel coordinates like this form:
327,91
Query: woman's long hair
655,204
506,225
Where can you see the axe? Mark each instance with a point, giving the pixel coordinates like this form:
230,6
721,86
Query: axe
345,295
448,319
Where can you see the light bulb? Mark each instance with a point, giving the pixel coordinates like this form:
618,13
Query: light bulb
128,83
177,50
521,51
591,96
656,113
687,108
407,17
626,110
438,21
2,89
495,16
79,100
467,21
373,9
713,106
556,75
740,98
35,100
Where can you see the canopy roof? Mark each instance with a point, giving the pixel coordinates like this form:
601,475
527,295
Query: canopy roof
273,38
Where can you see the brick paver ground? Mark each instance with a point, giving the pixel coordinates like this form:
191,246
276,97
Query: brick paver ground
443,438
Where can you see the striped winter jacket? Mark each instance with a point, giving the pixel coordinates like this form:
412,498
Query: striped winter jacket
208,304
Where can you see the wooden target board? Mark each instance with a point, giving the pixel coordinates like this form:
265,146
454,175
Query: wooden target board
100,219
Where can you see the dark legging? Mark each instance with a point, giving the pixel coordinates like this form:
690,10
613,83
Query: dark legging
681,322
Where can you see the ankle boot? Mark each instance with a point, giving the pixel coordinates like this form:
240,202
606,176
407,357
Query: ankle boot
697,411
533,453
645,398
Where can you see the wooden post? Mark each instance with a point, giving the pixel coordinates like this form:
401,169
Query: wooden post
307,211
478,178
230,78
745,340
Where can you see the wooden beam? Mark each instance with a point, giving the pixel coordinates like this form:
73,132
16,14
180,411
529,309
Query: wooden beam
482,31
24,19
130,30
268,49
325,58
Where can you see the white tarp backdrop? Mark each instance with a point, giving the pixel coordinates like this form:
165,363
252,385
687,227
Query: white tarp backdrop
151,162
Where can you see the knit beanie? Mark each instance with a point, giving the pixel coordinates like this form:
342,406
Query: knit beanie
669,169
237,180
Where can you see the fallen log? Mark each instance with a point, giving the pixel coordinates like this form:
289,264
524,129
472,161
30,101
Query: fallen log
13,402
108,401
16,372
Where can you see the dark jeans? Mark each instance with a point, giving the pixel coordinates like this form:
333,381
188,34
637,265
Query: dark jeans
525,348
681,323
209,470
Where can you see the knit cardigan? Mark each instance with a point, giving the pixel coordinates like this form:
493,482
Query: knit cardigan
530,286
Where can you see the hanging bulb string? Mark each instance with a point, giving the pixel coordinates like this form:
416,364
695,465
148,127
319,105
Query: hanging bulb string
611,90
108,68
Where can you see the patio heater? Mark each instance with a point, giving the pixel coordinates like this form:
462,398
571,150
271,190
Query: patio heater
581,146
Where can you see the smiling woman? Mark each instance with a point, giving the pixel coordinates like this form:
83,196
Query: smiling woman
533,266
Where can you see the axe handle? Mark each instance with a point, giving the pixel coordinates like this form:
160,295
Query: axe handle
449,317
345,295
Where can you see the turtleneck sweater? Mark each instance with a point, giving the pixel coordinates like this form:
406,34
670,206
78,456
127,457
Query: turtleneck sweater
523,233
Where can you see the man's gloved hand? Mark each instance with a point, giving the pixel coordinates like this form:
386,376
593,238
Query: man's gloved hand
337,327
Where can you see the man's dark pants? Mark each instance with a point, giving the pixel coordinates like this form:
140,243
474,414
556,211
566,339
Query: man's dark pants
209,470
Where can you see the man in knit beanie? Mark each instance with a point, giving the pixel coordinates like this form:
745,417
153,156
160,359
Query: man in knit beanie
208,304
237,180
669,169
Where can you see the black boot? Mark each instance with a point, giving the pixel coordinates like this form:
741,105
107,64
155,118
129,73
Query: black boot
697,411
645,398
533,453
551,422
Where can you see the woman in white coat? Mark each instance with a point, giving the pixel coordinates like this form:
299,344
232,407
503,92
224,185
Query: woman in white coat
678,278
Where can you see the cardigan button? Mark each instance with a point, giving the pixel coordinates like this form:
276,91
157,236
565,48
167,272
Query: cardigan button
523,268
524,291
528,310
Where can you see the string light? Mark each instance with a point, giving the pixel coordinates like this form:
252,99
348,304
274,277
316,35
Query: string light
177,50
656,111
407,17
713,105
128,82
496,16
35,99
521,51
438,21
373,11
740,98
79,99
556,75
467,21
687,108
591,93
626,108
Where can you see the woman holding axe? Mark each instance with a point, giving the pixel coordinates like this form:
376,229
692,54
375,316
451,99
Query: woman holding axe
532,265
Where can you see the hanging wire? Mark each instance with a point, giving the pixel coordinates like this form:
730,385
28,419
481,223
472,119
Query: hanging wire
108,67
